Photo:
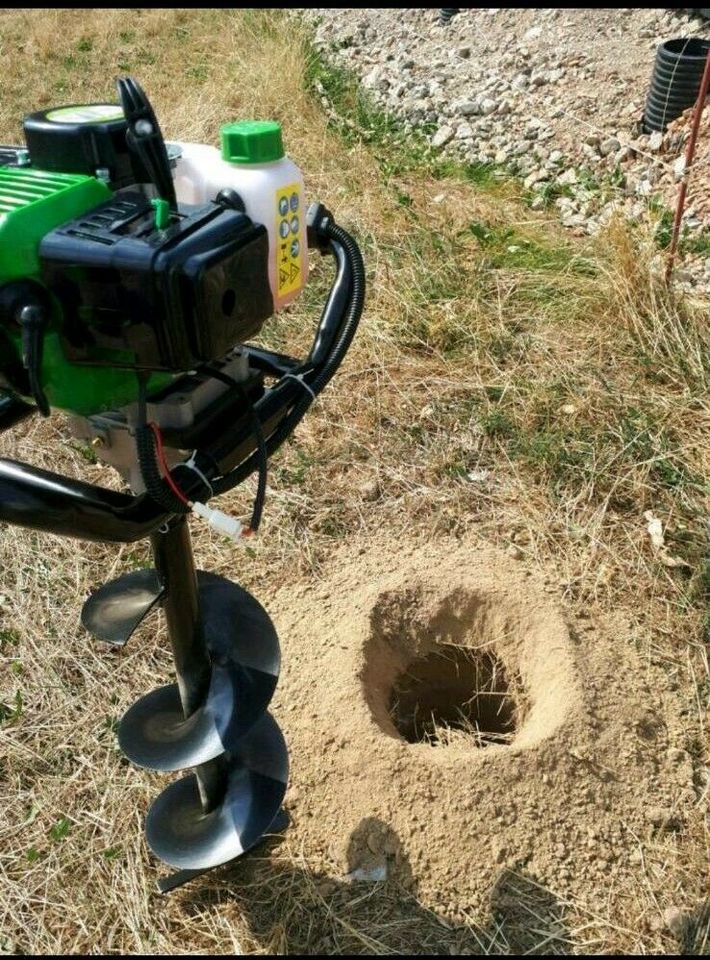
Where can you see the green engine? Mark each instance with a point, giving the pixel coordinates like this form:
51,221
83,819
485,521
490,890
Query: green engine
110,290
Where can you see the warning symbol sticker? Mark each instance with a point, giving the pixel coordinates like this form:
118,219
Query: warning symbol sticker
289,256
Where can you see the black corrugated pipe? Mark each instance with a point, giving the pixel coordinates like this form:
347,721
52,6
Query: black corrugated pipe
675,81
447,14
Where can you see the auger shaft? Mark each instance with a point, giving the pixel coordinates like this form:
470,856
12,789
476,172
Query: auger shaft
172,551
174,561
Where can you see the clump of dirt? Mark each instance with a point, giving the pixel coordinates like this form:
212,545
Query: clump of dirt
437,688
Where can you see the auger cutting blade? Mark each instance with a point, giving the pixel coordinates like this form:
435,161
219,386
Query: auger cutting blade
183,836
115,610
245,656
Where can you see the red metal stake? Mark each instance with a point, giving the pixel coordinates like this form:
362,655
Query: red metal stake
689,154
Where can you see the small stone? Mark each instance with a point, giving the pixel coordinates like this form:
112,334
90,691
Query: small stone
537,176
663,819
655,141
514,551
679,168
538,203
442,136
370,490
533,33
468,108
488,106
377,873
573,220
610,145
568,177
464,131
675,920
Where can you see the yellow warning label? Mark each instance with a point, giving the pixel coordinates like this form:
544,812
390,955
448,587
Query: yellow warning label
290,231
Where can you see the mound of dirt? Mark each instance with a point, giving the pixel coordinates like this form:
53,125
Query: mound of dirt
437,691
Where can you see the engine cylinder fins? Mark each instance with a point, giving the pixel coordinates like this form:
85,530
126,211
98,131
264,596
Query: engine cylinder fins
118,608
181,834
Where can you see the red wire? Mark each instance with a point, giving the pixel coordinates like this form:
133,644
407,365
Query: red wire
164,464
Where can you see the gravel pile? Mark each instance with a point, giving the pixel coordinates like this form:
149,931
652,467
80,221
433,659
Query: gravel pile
554,96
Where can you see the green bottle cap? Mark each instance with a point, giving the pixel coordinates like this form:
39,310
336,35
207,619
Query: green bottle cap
252,141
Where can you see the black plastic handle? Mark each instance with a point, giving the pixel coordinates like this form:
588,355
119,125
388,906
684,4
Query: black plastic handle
145,137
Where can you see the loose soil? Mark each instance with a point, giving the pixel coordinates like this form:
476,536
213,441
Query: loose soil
593,767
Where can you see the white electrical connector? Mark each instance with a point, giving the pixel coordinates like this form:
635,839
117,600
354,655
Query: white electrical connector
219,521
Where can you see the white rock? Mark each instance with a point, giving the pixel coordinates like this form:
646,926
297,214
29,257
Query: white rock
533,33
573,220
610,145
537,176
464,131
467,108
568,177
655,141
375,874
488,106
442,136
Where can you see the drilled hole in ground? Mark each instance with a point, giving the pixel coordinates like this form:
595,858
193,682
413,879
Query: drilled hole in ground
454,691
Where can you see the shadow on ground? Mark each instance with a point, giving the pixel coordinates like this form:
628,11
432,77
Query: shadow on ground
296,911
694,936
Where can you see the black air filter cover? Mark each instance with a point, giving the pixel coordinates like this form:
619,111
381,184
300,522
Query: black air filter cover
83,139
135,296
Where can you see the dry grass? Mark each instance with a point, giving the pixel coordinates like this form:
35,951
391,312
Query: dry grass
543,391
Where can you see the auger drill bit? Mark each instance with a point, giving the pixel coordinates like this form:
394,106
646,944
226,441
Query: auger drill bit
214,718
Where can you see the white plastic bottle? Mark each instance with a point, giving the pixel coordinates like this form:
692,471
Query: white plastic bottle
253,163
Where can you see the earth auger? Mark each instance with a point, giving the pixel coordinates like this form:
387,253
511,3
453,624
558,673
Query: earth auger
132,273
